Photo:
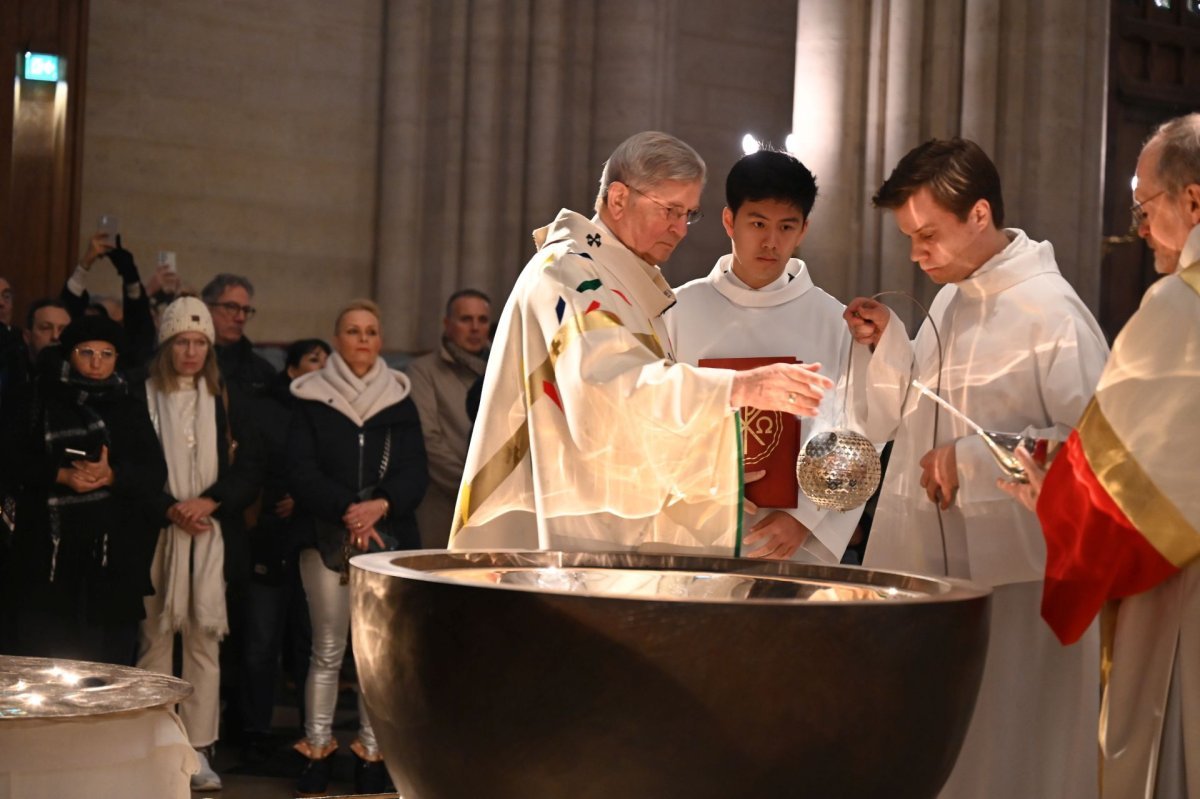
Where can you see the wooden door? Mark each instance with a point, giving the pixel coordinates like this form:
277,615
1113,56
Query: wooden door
41,142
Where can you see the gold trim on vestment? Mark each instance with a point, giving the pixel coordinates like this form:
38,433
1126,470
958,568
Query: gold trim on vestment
504,462
1118,471
578,324
491,475
1191,275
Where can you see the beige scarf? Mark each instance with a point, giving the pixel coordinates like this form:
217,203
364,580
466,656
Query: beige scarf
191,573
358,398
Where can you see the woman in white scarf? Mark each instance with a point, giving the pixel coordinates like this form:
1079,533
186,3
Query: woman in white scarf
190,410
358,472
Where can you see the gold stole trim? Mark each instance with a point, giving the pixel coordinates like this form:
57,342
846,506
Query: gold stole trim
504,462
1151,512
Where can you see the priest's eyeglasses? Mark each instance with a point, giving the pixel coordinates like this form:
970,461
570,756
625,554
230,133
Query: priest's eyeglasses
1138,212
674,214
89,354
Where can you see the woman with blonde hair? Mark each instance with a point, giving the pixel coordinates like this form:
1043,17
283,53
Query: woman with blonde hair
214,470
358,473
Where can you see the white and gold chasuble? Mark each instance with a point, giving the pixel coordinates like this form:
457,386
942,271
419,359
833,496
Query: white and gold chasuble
1144,434
589,435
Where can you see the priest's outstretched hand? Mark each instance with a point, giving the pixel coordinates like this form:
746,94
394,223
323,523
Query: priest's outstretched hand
792,388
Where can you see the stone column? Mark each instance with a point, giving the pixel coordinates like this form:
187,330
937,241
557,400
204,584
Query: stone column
1024,78
487,110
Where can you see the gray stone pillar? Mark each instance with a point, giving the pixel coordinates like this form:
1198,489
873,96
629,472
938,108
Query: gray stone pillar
1024,78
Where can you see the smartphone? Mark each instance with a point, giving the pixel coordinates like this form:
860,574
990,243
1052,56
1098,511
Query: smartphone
109,225
166,258
80,455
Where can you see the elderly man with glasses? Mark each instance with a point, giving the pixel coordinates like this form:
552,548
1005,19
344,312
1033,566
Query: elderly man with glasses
1119,506
229,298
590,435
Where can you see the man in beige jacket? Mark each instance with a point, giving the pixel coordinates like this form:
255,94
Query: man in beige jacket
440,381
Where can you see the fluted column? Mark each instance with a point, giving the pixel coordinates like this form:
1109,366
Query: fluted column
486,124
1024,78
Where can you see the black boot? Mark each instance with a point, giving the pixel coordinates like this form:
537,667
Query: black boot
314,777
371,777
370,773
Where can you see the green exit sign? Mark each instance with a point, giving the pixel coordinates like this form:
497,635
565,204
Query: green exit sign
41,66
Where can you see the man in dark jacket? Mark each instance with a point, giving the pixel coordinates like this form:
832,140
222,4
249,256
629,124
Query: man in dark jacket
44,322
229,298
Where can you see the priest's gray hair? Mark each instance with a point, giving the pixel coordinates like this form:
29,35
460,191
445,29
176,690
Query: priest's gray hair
650,158
1179,153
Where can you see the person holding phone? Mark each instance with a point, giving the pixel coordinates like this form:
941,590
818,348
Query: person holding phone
358,473
82,452
133,312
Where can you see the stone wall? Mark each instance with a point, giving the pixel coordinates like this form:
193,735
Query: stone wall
402,148
243,136
721,70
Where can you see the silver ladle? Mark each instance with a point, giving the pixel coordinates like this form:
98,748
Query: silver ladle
1004,457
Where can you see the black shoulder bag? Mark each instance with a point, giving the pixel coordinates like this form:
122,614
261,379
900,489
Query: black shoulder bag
333,540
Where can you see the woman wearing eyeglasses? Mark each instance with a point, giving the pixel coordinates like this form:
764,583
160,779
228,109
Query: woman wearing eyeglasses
214,470
82,454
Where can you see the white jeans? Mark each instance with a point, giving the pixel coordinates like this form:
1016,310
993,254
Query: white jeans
329,609
201,711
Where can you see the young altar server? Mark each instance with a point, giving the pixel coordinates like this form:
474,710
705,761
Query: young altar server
760,302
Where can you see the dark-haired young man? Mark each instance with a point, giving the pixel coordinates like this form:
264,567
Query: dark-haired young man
1020,354
759,301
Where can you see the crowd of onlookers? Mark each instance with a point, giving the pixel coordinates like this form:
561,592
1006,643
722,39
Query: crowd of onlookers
172,500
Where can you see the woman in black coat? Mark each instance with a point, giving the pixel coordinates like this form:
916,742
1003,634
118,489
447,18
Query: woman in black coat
84,455
358,473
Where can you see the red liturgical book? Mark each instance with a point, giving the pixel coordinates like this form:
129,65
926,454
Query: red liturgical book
770,440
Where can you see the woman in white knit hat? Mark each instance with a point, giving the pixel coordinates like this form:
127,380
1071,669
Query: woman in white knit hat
213,474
